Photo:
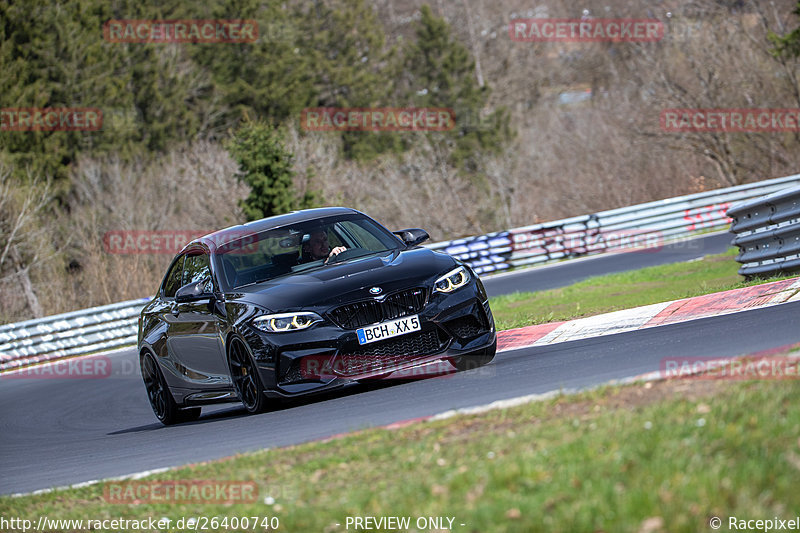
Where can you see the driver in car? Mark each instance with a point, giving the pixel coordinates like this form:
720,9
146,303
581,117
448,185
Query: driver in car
317,247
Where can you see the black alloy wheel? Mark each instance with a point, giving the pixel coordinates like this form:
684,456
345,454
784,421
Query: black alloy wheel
245,377
161,400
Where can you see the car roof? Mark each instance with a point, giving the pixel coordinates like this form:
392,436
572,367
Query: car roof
218,238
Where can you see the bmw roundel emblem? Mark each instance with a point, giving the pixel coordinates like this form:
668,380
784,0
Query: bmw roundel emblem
375,290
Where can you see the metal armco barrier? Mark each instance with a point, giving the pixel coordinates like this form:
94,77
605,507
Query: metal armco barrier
635,226
768,233
80,332
650,224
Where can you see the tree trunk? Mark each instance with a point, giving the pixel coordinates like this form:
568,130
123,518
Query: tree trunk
27,286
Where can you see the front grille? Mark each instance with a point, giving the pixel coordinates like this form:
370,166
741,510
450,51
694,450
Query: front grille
389,354
466,327
399,304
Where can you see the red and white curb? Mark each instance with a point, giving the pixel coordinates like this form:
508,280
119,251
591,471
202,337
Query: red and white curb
648,316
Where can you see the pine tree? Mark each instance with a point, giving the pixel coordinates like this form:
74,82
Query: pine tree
267,167
441,73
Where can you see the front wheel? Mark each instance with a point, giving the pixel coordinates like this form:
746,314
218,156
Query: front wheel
244,375
475,359
160,397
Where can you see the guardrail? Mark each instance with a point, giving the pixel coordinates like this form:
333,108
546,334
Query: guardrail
76,333
115,326
768,234
627,227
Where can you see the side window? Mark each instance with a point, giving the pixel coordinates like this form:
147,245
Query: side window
173,280
196,268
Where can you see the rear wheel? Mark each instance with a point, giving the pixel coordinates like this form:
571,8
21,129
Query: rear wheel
160,397
245,377
475,359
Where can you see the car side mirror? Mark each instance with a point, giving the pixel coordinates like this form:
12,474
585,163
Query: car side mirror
413,236
193,292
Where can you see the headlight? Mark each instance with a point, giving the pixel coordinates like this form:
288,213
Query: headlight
286,321
452,280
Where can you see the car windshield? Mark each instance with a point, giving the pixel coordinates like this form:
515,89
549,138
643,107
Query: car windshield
301,247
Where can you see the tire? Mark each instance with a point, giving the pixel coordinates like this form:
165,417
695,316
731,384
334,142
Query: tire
245,378
159,395
475,359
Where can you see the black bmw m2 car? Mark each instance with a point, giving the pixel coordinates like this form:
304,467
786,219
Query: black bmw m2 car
304,303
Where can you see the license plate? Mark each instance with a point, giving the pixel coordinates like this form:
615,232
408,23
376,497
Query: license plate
387,330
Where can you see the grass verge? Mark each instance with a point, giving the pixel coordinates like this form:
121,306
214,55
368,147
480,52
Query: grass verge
664,456
612,292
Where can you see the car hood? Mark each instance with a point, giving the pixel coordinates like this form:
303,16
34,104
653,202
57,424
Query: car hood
339,283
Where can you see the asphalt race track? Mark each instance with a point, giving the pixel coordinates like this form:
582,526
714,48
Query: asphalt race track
569,272
63,431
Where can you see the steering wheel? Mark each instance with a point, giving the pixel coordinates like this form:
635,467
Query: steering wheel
350,253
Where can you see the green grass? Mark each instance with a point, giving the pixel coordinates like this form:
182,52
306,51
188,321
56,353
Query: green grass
613,292
672,453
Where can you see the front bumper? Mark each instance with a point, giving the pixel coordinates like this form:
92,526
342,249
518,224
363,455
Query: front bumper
327,356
